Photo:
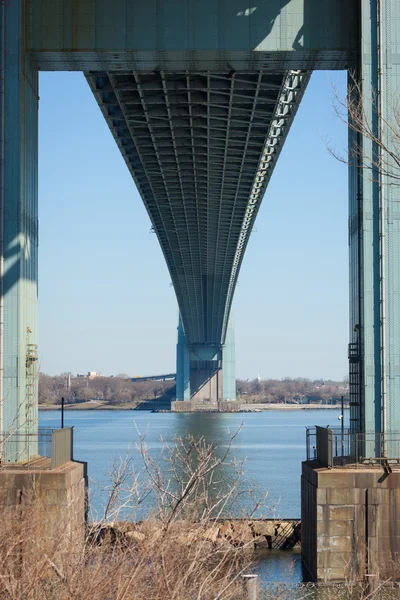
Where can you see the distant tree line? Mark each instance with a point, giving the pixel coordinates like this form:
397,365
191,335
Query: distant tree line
115,390
121,390
291,389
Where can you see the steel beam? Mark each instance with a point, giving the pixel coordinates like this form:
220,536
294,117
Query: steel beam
274,35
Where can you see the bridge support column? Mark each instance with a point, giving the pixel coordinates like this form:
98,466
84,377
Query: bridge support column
349,514
374,228
18,229
182,365
205,374
229,362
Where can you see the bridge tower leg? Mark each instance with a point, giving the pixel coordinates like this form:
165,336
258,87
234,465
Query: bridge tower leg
229,362
345,515
182,365
205,374
374,228
18,234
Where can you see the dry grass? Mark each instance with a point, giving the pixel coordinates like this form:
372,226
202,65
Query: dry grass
175,554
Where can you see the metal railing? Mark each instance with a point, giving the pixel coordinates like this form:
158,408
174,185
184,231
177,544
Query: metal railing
336,447
47,449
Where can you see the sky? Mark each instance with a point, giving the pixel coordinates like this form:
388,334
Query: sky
106,302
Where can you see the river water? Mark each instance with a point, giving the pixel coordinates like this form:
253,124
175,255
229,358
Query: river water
272,442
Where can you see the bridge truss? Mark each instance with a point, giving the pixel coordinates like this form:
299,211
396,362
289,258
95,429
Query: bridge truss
201,148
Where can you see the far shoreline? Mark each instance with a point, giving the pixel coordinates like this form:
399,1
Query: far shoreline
249,408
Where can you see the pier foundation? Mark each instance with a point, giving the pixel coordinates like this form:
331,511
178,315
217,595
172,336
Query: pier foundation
54,498
350,522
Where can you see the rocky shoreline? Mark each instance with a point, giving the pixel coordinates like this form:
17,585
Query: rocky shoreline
249,534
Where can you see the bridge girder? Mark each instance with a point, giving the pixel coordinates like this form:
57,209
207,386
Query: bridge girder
201,148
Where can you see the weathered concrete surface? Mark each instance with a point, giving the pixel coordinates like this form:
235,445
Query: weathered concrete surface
55,497
350,522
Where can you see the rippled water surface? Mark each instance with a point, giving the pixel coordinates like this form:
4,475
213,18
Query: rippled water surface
273,442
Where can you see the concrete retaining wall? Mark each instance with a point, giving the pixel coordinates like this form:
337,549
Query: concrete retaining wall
57,497
350,522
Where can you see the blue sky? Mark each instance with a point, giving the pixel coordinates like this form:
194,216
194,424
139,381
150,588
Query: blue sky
105,295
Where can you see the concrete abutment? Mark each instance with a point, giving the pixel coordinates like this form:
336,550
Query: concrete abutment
350,523
55,499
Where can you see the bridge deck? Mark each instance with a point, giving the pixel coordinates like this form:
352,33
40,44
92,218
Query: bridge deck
193,143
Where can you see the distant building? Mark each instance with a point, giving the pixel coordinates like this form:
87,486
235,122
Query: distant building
93,374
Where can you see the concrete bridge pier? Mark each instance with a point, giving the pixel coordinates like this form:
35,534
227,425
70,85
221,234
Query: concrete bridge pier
205,373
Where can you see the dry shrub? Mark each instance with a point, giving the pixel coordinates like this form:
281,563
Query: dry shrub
175,553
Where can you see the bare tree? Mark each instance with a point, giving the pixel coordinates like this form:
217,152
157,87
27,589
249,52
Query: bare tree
365,117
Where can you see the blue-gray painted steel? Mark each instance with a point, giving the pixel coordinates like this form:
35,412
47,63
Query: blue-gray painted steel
180,35
20,228
229,362
374,231
188,89
182,365
201,148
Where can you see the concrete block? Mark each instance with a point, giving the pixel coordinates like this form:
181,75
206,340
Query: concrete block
325,575
379,496
392,481
340,528
323,527
336,478
77,471
336,512
367,480
341,513
57,497
388,528
13,497
389,544
395,496
340,543
386,512
63,504
343,496
335,560
7,478
51,480
372,519
323,543
333,543
359,520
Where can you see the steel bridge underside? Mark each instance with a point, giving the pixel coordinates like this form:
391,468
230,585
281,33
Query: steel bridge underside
189,89
201,147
